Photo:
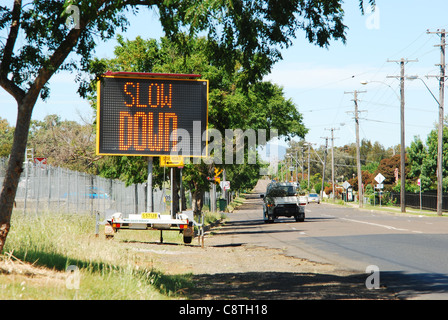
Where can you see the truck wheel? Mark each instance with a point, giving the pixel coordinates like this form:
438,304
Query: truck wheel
188,239
300,218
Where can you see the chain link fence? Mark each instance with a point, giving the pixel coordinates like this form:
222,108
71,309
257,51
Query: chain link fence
43,188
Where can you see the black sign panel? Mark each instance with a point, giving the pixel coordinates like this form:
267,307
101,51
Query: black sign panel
151,116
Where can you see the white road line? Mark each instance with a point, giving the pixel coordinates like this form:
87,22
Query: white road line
376,224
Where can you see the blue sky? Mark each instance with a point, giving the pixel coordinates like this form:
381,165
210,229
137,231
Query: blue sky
316,79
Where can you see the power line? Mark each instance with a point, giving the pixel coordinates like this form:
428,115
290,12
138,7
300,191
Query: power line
395,123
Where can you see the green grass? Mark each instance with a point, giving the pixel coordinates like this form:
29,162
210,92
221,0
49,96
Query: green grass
108,268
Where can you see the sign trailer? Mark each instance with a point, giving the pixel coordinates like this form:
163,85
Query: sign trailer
148,114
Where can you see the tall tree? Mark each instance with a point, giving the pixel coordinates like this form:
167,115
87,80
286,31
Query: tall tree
429,164
64,143
256,106
388,166
39,43
6,135
417,152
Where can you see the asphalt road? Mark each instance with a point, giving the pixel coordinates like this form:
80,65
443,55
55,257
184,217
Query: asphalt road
410,251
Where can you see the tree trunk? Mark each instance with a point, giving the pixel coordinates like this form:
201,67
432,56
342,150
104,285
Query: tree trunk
15,166
183,199
197,202
26,101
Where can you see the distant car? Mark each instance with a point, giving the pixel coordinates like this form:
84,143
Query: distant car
313,197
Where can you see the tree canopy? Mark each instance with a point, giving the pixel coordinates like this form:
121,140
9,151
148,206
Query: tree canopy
231,106
6,135
423,159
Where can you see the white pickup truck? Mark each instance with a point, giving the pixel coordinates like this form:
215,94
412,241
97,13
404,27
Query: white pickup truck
282,199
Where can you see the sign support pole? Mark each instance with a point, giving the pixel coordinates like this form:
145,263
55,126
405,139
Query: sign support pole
149,203
181,208
380,196
172,192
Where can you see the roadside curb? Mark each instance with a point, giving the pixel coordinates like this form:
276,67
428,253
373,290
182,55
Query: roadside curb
387,210
210,226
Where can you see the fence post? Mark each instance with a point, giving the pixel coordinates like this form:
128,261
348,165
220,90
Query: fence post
26,186
68,190
59,170
39,175
49,186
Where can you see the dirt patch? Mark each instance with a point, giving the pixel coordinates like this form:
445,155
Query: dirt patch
15,273
282,286
223,270
227,269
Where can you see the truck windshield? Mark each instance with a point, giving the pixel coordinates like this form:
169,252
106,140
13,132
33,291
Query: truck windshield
282,191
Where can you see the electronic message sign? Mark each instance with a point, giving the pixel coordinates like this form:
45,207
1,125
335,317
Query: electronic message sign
151,116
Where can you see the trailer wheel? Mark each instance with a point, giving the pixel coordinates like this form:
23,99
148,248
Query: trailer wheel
188,239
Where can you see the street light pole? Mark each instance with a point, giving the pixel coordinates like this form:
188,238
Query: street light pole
402,62
441,114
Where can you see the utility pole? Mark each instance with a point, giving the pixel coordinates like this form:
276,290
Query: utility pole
309,145
302,163
440,130
297,170
358,154
403,141
323,170
332,159
309,152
